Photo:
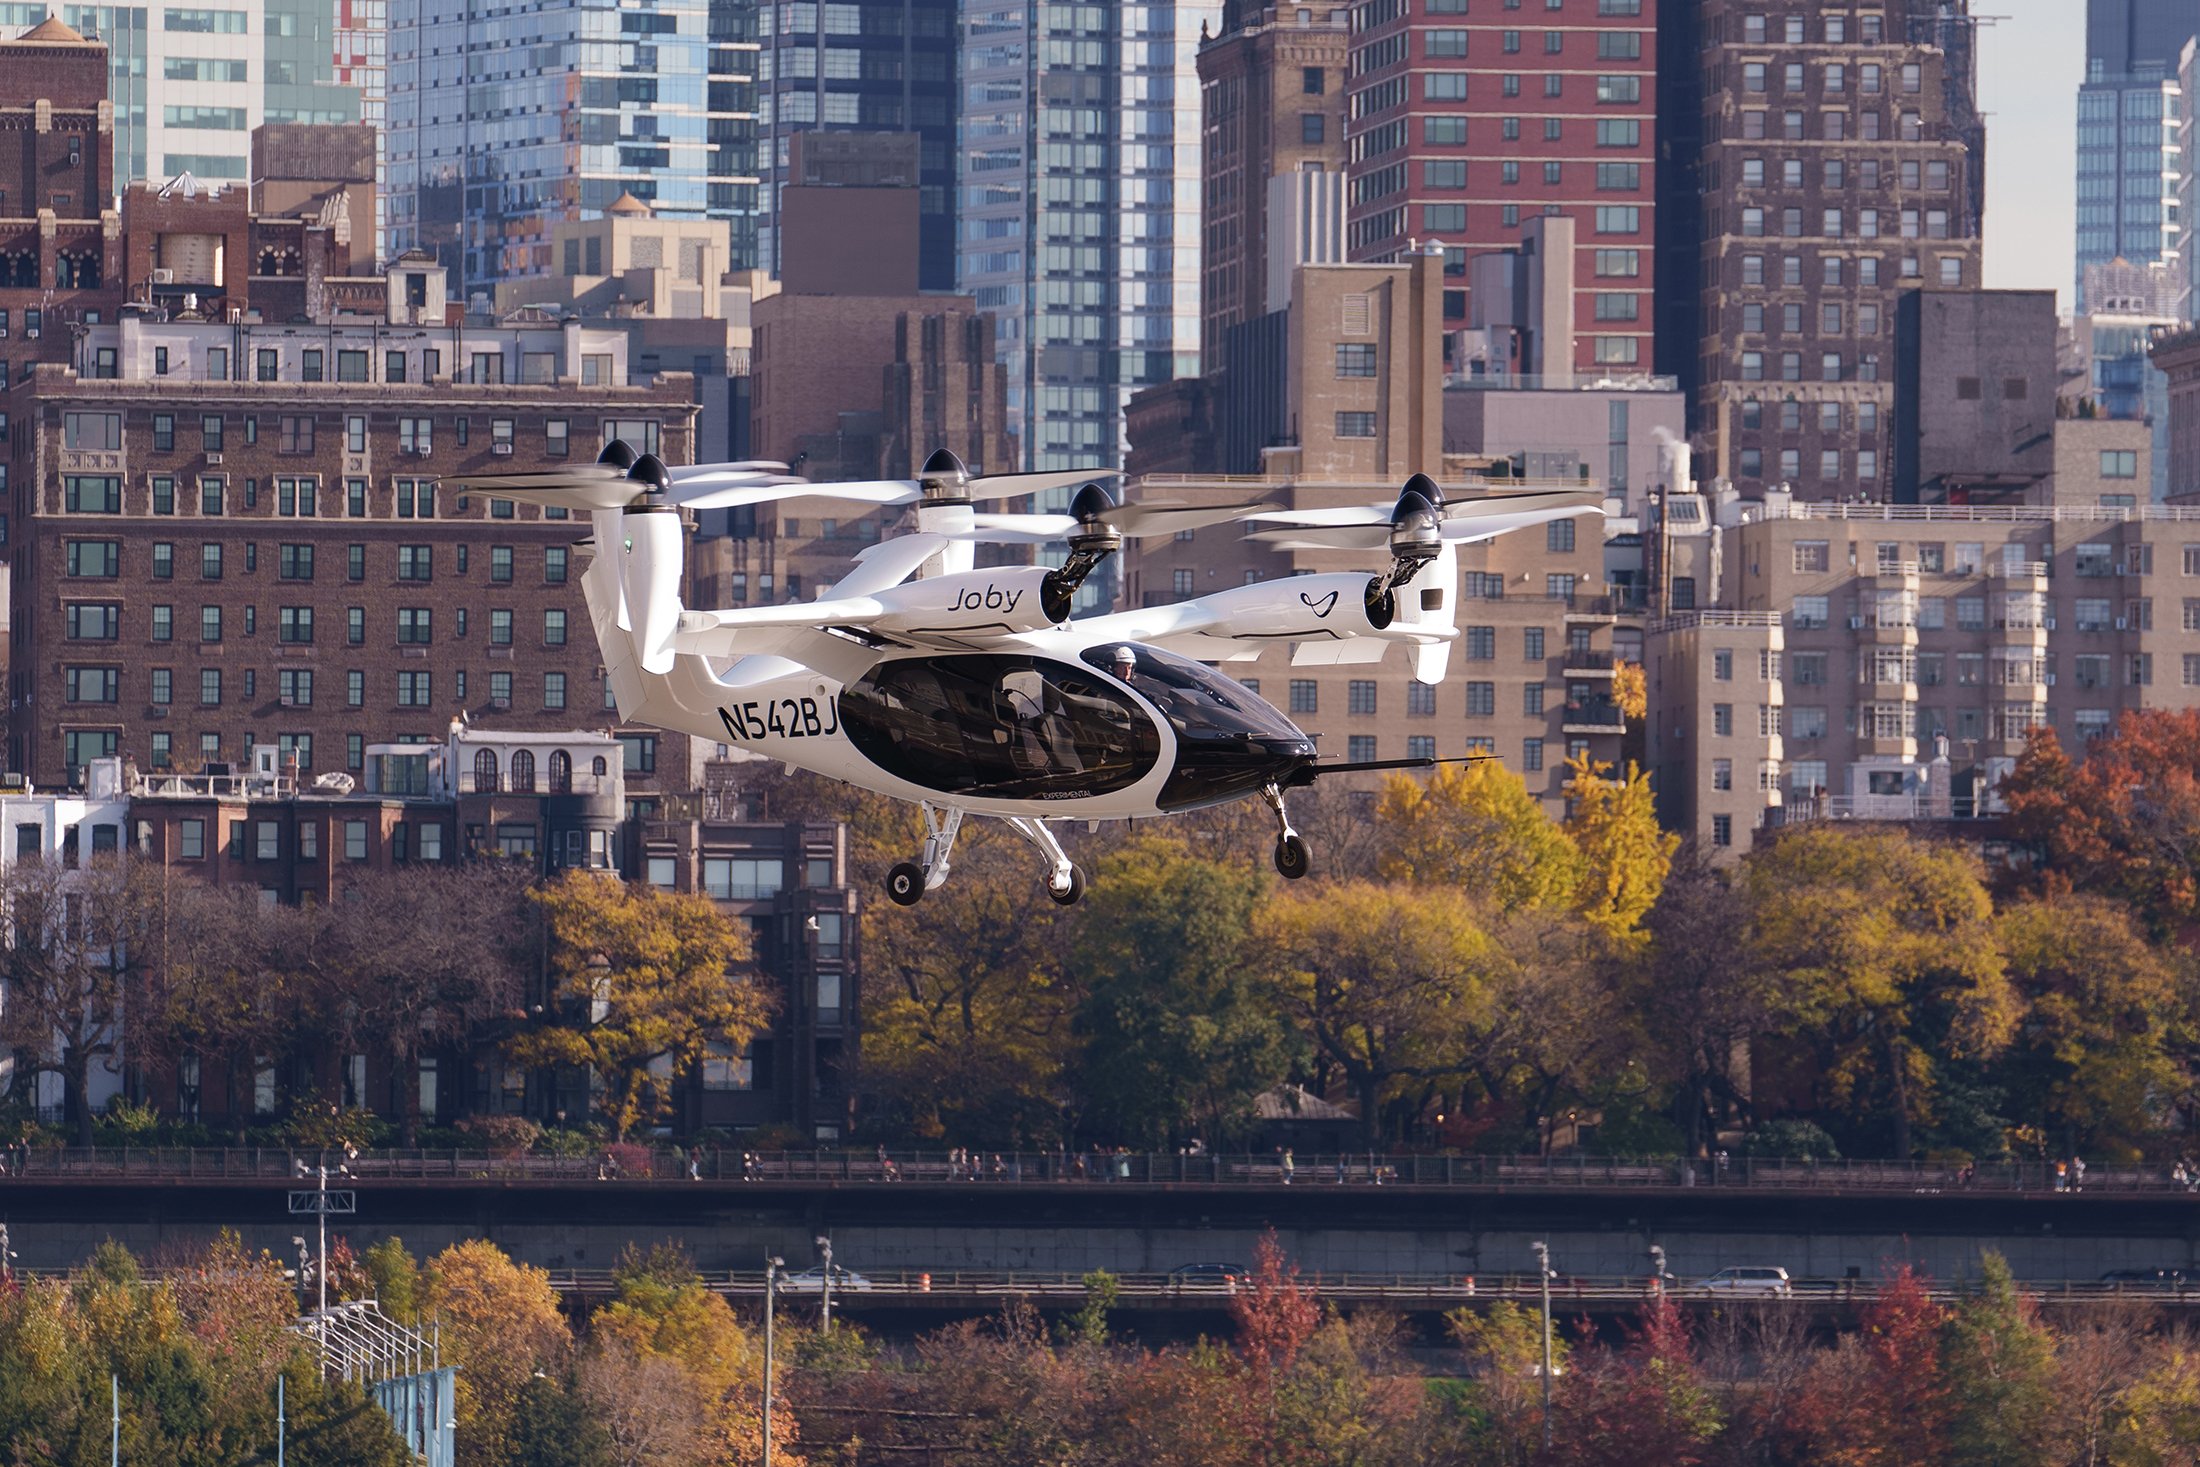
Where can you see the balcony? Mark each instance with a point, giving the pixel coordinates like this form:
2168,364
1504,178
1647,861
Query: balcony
1588,664
1593,716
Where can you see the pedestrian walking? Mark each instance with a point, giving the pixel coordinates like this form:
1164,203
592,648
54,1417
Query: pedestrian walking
695,1163
2062,1176
1289,1166
2077,1174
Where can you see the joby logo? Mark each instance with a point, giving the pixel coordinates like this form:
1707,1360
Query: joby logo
992,598
1321,606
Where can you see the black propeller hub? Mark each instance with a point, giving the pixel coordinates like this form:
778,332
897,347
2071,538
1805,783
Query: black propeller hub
653,479
1093,541
617,454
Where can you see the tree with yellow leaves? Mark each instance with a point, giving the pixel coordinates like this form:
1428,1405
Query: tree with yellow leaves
1476,828
656,968
500,1322
673,1375
1625,856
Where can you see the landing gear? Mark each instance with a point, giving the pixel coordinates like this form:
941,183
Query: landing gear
1065,883
907,883
1293,860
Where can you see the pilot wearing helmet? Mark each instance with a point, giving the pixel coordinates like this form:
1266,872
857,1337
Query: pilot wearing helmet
1126,663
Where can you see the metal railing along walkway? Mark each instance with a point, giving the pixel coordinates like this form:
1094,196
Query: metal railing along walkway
639,1165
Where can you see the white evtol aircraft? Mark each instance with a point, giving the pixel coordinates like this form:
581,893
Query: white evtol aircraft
975,692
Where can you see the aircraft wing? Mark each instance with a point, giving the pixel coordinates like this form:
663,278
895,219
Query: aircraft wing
1325,612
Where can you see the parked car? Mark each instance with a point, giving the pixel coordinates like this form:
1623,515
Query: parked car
1210,1276
1750,1281
2145,1278
811,1280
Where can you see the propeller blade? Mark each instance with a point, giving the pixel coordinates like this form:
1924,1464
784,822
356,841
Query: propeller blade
1327,537
1013,486
1167,517
729,496
707,471
566,491
1019,529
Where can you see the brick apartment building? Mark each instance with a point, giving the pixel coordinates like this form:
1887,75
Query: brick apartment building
232,535
1842,163
60,242
1466,122
1272,102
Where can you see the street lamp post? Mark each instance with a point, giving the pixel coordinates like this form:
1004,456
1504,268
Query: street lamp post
1542,1253
771,1283
825,1315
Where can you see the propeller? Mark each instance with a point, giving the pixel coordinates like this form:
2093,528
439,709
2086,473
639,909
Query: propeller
1095,512
1419,513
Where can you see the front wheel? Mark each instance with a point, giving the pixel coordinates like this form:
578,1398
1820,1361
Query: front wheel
1292,858
1068,894
905,884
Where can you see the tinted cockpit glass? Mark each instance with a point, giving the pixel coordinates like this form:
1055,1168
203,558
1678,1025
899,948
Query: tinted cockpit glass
1198,701
999,727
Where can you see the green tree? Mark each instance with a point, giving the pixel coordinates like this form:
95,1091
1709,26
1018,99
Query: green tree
2004,1358
1474,827
1885,947
968,1025
554,1426
1178,1033
2096,1062
1389,982
656,969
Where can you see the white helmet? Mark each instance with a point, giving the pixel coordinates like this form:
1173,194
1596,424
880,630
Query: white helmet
1126,654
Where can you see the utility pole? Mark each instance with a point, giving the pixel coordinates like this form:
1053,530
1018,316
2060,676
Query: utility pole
278,1419
825,1317
771,1282
114,1441
1542,1253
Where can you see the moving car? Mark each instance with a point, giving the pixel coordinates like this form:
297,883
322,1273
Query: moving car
2145,1278
1750,1281
1210,1276
811,1280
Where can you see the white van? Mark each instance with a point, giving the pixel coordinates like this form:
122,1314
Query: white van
1749,1281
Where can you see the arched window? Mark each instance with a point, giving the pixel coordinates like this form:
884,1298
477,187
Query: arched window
561,772
485,772
523,772
602,768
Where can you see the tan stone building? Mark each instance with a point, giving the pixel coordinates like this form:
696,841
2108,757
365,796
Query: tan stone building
1909,631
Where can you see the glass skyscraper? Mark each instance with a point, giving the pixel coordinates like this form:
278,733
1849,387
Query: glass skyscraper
2129,158
1079,214
505,121
866,66
190,82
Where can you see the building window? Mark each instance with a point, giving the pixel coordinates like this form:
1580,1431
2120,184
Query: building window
1355,425
1305,695
1420,700
1355,359
1481,699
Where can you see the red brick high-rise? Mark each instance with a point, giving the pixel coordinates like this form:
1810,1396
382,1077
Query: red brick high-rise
60,246
1464,121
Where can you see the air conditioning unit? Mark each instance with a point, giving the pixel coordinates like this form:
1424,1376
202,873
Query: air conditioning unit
30,333
213,458
2049,623
2122,624
284,699
1856,623
2051,679
500,704
500,448
15,783
164,277
3,331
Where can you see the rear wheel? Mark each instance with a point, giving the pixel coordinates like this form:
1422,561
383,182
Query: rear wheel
1293,860
1068,894
905,884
